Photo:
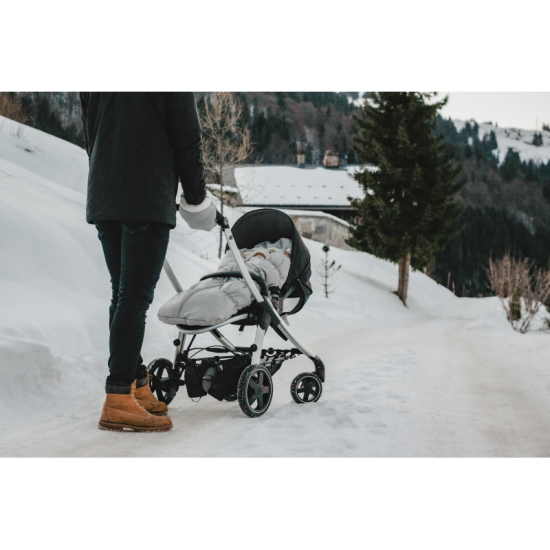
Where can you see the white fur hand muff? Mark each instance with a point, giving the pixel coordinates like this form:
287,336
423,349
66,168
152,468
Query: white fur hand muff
201,216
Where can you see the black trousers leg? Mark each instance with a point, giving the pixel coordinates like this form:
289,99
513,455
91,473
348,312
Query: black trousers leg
134,252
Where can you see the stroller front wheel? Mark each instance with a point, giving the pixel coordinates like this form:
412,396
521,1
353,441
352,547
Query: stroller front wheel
255,390
306,388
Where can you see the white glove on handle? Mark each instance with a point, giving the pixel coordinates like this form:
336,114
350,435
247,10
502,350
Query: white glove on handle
201,216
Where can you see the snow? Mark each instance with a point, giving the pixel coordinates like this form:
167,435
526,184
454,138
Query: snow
35,151
446,376
520,141
359,102
290,185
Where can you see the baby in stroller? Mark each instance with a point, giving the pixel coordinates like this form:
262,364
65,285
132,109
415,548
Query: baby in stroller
266,261
212,301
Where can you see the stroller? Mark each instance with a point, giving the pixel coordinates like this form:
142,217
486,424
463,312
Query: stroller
244,374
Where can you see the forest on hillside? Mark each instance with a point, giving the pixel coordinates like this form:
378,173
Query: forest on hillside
507,207
283,123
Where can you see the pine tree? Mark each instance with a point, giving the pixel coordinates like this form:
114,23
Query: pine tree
537,139
511,166
490,141
410,205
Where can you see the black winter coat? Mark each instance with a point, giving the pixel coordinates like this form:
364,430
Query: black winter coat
139,145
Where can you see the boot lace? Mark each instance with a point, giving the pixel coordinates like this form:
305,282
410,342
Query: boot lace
136,400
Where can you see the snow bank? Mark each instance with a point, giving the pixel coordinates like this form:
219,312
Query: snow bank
44,155
54,285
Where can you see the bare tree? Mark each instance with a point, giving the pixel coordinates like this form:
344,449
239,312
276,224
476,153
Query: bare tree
12,108
327,272
226,141
521,287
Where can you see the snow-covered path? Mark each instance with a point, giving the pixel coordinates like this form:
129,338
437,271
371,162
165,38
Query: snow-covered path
429,388
446,376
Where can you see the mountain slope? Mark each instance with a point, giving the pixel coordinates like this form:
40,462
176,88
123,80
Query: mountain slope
520,141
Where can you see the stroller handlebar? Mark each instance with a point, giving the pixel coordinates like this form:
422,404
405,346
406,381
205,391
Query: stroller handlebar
221,220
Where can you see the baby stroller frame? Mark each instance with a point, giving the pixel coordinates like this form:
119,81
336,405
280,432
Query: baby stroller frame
248,370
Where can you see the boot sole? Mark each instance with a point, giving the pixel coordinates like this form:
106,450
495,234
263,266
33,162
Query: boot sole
115,427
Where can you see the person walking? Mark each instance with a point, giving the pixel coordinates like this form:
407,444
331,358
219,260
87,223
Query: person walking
139,145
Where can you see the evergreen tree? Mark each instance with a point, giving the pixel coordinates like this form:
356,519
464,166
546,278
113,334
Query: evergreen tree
57,113
511,166
410,205
351,159
488,233
490,141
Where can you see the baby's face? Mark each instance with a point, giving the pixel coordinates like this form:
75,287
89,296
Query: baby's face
262,255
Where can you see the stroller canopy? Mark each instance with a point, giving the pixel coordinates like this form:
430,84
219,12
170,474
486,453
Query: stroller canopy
268,224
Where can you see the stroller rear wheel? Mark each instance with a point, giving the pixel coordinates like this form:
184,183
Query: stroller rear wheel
306,388
255,390
163,379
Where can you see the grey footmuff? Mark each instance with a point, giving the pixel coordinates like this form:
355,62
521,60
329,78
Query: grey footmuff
215,300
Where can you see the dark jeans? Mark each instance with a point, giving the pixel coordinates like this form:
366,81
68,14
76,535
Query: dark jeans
134,252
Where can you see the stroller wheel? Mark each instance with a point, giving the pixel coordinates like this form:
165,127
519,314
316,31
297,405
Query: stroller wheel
163,380
255,390
306,388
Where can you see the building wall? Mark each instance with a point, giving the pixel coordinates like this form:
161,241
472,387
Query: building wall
324,229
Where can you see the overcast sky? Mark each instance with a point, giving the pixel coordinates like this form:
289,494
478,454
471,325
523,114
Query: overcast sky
508,109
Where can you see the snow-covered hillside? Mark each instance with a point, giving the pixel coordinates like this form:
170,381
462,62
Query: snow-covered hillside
520,141
445,376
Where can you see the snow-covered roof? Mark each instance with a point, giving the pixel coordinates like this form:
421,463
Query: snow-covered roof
226,188
520,141
270,185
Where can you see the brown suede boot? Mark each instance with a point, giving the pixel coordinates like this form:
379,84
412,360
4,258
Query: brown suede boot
146,398
124,411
